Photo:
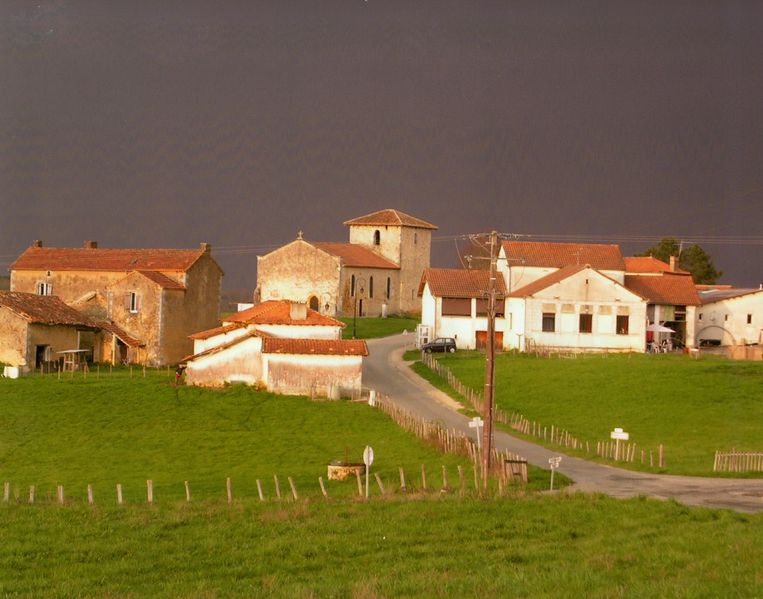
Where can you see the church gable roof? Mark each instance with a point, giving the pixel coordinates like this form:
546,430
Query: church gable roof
391,217
356,255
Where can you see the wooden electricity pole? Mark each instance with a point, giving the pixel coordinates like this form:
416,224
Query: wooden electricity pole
487,416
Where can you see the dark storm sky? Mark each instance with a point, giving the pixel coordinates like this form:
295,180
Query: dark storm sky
167,123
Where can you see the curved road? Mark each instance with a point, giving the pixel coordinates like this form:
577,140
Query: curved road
385,371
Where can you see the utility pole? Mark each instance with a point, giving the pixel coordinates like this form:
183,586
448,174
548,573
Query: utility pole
487,416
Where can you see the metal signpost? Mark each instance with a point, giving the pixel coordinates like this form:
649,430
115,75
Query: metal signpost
368,459
477,423
618,435
554,463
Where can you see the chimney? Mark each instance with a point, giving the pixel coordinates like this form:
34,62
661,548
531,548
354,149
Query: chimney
672,263
91,245
205,247
37,243
297,311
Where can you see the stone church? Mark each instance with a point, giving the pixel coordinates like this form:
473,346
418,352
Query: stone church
376,273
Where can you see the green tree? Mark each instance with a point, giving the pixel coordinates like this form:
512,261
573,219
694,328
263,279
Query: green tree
693,259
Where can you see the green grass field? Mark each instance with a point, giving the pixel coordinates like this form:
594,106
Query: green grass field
118,429
693,407
542,546
372,328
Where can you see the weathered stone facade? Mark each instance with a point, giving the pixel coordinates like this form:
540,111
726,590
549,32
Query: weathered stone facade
157,297
377,272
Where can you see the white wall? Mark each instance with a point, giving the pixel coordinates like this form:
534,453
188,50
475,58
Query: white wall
726,320
301,331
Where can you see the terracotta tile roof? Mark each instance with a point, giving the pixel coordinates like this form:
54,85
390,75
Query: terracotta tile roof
708,296
548,280
279,312
121,334
318,347
222,347
44,309
100,259
162,280
668,289
649,265
356,255
217,331
391,217
559,255
459,282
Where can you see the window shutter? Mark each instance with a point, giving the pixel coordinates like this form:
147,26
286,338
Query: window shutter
127,300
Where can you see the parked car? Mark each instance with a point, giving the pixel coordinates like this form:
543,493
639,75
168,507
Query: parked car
441,344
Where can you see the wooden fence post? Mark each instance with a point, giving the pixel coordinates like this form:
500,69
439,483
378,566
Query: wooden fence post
229,490
60,494
150,490
423,477
259,490
360,484
278,487
31,494
662,456
119,494
402,480
7,492
379,482
90,498
293,489
323,487
444,478
187,491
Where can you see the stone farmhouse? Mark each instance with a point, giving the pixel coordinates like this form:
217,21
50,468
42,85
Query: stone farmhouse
376,273
146,301
562,297
282,346
35,329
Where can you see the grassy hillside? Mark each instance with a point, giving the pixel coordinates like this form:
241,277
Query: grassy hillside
693,407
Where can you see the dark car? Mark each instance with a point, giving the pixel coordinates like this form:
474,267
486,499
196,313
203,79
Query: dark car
442,344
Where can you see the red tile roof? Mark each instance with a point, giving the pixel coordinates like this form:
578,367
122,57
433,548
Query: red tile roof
121,334
390,217
548,280
668,289
223,346
162,280
356,255
318,347
708,296
43,309
217,331
559,255
649,265
99,259
279,312
459,282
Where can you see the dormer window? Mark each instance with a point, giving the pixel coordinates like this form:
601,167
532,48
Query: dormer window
377,238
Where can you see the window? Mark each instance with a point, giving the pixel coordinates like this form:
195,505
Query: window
132,301
549,322
377,238
370,286
749,319
700,315
456,306
623,321
586,323
482,305
352,286
44,288
415,238
389,287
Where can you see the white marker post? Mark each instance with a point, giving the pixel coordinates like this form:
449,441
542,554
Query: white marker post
368,459
477,423
618,435
554,463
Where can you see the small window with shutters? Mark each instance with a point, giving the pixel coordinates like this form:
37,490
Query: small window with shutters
132,302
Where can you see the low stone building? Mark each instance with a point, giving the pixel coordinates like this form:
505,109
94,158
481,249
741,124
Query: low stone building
376,273
281,346
730,316
35,329
151,300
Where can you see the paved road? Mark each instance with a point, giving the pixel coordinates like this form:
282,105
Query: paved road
385,371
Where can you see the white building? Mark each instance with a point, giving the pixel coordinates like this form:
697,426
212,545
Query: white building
281,346
730,316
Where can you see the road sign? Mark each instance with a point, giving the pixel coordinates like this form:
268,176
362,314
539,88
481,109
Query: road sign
368,455
477,423
554,463
619,434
